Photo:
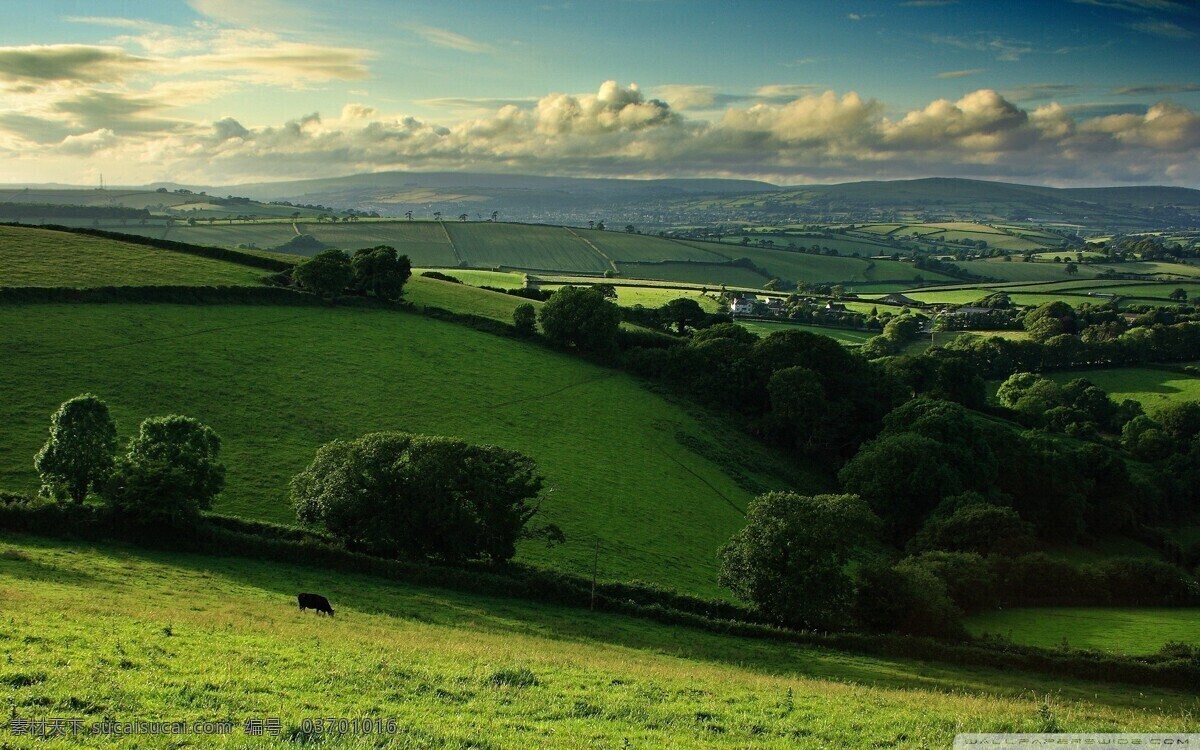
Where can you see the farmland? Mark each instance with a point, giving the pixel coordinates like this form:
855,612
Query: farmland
1147,385
37,257
843,335
1127,631
276,383
109,631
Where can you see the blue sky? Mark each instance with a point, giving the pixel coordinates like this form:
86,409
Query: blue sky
1058,91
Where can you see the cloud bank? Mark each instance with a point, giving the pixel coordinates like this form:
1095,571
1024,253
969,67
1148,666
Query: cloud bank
787,134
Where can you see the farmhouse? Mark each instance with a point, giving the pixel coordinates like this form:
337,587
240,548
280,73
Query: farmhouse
743,304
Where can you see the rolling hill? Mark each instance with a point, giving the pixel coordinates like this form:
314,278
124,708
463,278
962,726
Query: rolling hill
42,257
651,481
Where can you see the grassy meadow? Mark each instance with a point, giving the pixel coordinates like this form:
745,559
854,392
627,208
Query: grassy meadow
844,335
100,631
1149,386
40,257
276,383
1117,629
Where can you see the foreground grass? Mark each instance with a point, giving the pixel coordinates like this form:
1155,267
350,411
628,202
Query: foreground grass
107,631
1122,630
42,257
278,382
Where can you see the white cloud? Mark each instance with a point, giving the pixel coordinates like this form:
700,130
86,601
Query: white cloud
618,130
449,39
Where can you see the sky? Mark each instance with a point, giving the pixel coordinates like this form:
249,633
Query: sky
222,92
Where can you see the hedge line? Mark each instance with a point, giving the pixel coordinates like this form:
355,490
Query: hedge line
217,253
247,539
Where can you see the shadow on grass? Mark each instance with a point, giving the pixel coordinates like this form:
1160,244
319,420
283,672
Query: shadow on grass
355,595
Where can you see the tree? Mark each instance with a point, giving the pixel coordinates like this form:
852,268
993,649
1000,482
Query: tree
630,229
398,494
495,214
437,215
1179,295
380,271
408,215
683,313
462,217
525,319
169,473
902,477
326,274
79,451
1071,269
789,560
582,318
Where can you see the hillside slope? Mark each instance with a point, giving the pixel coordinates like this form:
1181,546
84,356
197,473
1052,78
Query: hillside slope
43,257
113,632
278,382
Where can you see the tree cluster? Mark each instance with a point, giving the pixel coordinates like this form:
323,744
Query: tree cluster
169,472
401,495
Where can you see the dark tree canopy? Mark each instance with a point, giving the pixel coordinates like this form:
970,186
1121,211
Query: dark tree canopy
327,273
398,494
169,473
79,451
380,271
789,560
581,318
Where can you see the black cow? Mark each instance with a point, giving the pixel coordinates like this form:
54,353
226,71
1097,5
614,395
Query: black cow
314,601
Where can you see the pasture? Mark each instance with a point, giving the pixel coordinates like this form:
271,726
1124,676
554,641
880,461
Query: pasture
42,257
845,336
277,382
1116,629
98,631
1148,386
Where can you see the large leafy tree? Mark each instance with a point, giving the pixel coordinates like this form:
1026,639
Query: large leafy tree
380,271
581,318
327,273
394,493
79,452
683,313
169,473
789,560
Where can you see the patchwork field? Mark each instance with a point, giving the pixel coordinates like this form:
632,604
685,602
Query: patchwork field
276,383
1120,630
40,257
112,632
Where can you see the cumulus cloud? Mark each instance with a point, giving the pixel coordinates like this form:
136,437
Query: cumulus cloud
67,63
618,130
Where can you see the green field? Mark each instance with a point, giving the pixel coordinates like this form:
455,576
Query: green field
844,335
463,298
524,246
41,257
101,631
498,279
276,383
1148,386
1122,630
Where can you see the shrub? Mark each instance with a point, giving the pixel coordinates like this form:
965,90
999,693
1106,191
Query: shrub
525,319
581,318
326,274
977,527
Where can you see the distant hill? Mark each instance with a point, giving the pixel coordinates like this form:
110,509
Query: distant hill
656,203
949,199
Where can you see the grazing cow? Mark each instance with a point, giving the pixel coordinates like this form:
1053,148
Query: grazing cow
316,602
